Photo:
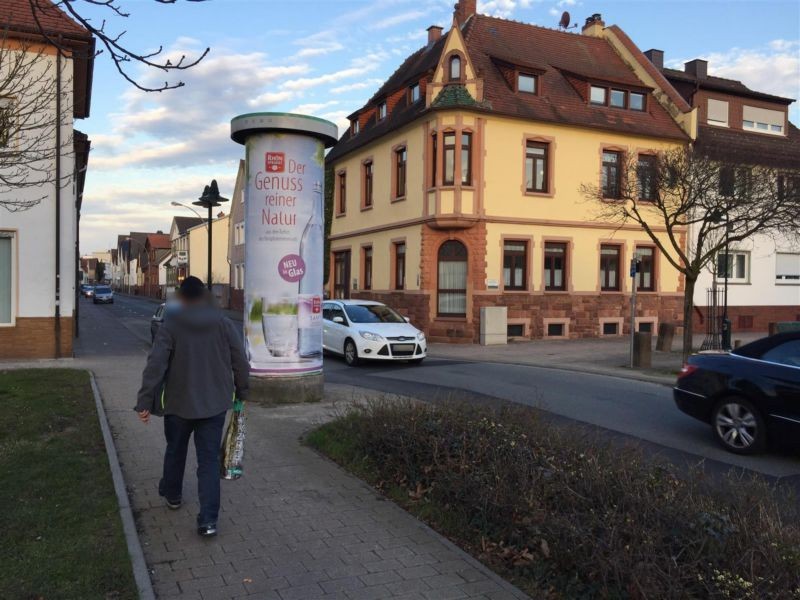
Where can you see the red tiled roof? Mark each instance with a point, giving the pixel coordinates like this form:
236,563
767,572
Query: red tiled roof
17,15
564,58
158,240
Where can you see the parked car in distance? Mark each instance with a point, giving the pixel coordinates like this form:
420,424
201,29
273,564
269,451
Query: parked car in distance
103,294
87,290
157,320
362,329
750,396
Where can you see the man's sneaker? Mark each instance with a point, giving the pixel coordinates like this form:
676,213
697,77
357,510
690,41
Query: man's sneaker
174,504
207,530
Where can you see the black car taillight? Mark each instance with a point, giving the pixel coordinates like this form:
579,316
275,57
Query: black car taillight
686,370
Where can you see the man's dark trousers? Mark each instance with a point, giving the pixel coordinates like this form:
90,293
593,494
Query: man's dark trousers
207,441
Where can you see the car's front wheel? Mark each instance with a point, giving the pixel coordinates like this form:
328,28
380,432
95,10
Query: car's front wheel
739,426
350,353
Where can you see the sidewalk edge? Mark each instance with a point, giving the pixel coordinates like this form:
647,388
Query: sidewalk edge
140,572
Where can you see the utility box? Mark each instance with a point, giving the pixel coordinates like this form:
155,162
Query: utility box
494,325
642,349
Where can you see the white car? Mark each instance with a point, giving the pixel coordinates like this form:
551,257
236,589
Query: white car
362,329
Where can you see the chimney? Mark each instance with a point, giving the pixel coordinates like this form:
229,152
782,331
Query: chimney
434,33
697,67
656,57
464,10
594,25
220,215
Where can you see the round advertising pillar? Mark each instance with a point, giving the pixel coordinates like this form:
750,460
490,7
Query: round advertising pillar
284,240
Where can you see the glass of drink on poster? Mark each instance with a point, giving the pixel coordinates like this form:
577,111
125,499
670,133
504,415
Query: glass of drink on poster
279,320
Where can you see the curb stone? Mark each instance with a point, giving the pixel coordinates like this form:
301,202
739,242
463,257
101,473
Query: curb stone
140,573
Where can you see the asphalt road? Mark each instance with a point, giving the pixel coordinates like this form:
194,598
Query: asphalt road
638,412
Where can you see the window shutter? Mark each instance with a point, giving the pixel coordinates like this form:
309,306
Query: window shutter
718,111
787,265
763,115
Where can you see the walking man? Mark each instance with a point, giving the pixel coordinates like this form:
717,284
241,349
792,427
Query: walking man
196,367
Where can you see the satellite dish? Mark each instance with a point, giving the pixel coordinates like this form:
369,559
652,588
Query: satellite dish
564,22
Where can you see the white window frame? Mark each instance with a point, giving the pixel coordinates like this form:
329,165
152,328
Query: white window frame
382,111
732,277
532,78
414,93
12,234
765,124
787,278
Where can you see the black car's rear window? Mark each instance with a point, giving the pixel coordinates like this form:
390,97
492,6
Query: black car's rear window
759,347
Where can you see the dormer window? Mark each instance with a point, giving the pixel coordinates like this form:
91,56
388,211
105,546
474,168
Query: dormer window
413,93
763,120
636,101
455,68
382,111
526,83
598,95
354,127
617,98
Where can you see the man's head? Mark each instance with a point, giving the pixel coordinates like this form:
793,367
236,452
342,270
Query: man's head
191,290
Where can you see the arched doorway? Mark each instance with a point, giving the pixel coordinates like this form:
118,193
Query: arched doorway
452,280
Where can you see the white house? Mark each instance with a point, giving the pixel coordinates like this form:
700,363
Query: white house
38,250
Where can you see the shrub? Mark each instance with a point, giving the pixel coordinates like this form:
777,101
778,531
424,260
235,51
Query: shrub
565,514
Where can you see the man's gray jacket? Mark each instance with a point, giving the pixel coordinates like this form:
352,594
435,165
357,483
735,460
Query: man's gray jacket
195,366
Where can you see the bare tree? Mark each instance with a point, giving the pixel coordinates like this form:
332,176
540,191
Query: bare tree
28,122
112,43
686,203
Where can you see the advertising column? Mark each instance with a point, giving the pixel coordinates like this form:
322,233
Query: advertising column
284,239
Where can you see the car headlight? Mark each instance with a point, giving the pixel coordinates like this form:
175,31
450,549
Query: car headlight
421,336
372,337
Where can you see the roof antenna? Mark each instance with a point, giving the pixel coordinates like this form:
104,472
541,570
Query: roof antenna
564,22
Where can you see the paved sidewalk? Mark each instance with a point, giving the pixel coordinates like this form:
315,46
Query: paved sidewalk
605,356
294,527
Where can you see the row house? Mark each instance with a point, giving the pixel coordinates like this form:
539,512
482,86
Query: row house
178,265
743,126
457,186
39,262
157,253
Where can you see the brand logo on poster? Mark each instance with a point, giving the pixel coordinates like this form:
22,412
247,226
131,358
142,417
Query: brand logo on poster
275,162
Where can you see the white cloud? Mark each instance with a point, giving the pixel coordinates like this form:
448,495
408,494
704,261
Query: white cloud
397,19
313,107
358,67
367,84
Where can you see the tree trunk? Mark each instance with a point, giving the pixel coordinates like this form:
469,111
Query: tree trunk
688,316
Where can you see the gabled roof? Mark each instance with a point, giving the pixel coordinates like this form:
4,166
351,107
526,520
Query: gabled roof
17,15
47,22
559,59
183,224
158,240
721,84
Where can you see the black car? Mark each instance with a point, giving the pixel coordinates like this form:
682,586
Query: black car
157,320
749,396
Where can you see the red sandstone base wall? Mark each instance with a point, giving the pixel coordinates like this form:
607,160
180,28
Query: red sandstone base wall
749,318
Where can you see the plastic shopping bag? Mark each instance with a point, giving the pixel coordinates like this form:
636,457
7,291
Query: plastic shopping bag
233,443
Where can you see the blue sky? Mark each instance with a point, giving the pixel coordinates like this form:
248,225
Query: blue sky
326,58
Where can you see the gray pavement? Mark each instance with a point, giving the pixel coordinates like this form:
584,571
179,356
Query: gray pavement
294,527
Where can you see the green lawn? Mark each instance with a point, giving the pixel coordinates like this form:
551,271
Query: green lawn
61,531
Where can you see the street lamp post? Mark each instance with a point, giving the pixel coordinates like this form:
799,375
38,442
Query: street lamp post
210,199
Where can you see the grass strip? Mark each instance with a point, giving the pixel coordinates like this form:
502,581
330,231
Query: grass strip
61,531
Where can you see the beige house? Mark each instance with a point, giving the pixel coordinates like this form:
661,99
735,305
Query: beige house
198,251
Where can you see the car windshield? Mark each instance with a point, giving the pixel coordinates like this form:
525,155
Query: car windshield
372,313
103,290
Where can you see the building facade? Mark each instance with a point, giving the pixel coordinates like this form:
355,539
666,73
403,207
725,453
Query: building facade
39,262
178,266
236,240
458,185
198,256
157,253
746,127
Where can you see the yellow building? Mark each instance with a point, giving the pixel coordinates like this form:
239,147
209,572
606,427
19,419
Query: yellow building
198,251
458,184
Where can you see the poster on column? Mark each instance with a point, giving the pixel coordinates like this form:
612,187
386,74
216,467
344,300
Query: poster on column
284,237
